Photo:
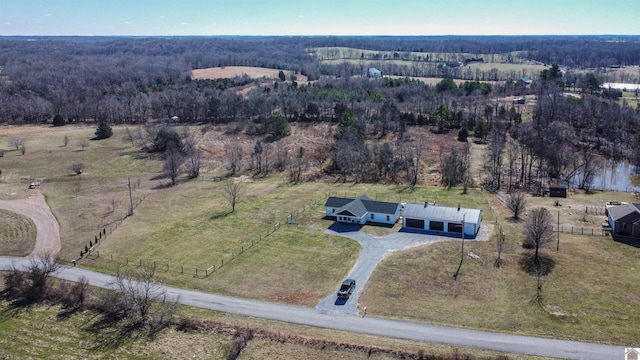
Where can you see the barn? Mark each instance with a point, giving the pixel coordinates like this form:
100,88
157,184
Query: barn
442,220
362,210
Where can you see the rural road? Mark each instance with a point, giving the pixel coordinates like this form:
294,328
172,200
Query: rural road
364,325
48,238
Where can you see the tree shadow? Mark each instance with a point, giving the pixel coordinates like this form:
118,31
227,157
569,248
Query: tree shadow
111,335
219,215
528,264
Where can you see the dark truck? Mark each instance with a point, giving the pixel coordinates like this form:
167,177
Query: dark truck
346,288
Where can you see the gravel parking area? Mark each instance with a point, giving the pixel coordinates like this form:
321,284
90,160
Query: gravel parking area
373,250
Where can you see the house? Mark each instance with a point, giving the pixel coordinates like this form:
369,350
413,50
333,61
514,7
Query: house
558,191
526,81
362,210
632,354
442,220
374,73
624,219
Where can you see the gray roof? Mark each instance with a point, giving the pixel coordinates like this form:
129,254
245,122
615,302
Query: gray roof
361,205
441,213
620,211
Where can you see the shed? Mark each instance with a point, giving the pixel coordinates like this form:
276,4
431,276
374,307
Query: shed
362,210
558,191
374,73
442,220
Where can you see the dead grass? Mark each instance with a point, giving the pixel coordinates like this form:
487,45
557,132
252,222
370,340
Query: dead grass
229,72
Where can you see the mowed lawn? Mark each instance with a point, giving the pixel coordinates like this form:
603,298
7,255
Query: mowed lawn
591,294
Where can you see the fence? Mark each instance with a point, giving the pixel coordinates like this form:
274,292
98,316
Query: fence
580,230
201,272
107,229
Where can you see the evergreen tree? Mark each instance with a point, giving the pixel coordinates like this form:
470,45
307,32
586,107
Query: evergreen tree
58,120
104,131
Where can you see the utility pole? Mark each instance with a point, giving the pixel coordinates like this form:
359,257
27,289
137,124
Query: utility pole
130,197
558,246
455,276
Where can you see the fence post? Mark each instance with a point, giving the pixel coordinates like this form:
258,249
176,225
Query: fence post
181,269
196,271
127,260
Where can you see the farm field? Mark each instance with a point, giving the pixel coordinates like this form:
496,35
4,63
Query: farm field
229,72
190,226
17,234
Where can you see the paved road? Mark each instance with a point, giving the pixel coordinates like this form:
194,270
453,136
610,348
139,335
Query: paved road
48,239
365,325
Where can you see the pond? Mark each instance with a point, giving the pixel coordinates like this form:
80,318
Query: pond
614,176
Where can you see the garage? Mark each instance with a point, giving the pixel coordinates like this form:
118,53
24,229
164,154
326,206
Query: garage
415,223
442,220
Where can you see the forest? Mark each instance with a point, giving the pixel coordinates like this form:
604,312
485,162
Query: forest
569,121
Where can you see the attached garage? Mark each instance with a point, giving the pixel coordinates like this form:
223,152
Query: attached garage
415,223
442,220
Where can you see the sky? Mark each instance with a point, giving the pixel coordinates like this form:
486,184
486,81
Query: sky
318,17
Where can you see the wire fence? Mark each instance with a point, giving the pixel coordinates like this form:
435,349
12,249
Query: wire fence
204,271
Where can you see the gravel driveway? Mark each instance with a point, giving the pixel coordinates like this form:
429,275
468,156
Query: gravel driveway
373,250
47,228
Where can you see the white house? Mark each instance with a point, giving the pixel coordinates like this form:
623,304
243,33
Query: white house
374,73
362,210
444,220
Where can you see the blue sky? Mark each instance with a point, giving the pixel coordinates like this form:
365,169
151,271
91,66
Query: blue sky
318,17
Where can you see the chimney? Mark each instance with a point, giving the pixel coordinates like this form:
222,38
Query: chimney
426,203
458,207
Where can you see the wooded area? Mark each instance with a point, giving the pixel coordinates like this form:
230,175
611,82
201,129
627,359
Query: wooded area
141,80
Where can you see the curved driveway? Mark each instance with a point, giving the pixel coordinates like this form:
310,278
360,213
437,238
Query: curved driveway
48,238
47,228
373,250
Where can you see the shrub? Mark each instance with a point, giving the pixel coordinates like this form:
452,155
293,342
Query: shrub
104,131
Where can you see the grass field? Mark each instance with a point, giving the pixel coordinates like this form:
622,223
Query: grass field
590,295
17,234
229,72
44,332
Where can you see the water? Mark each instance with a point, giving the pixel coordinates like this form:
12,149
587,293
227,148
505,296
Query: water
614,176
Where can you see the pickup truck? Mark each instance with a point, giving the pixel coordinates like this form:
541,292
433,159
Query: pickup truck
346,288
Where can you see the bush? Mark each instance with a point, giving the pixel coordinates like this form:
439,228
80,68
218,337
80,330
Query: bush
104,131
58,120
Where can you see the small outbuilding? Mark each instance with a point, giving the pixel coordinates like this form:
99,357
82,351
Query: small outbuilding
442,220
374,73
558,191
362,210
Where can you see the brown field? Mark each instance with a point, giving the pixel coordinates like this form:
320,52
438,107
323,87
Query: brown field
229,72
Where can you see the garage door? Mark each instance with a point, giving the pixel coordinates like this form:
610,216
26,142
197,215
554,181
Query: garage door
415,223
455,228
436,225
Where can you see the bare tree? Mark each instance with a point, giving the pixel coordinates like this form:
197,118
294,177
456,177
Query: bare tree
232,192
76,167
193,155
234,156
83,144
17,142
516,201
172,163
538,232
141,300
500,247
453,167
297,166
31,283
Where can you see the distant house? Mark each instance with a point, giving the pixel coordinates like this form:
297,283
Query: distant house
442,220
526,80
519,100
362,210
624,219
374,73
173,120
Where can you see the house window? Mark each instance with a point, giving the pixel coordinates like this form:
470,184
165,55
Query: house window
624,226
371,216
387,217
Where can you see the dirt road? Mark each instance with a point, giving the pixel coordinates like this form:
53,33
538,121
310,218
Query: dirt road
47,228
